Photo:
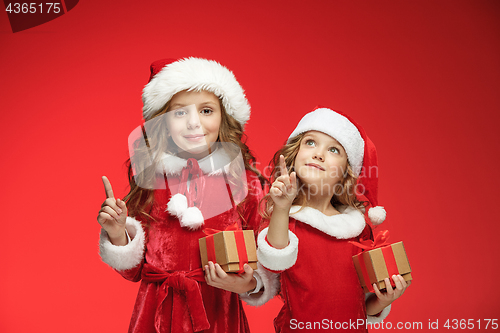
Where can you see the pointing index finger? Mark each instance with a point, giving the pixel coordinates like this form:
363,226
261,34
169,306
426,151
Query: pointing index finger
107,187
293,180
283,170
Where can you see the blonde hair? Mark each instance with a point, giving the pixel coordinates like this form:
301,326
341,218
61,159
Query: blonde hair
344,194
140,199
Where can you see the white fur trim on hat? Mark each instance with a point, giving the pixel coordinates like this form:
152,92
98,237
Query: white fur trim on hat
195,74
277,259
338,127
377,214
124,257
270,283
348,224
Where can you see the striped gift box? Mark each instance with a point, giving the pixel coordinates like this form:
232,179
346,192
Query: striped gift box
230,249
373,266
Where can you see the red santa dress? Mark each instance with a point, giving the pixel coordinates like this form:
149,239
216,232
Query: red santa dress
319,285
173,295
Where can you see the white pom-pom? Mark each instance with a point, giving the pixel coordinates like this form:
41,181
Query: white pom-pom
377,215
191,218
177,205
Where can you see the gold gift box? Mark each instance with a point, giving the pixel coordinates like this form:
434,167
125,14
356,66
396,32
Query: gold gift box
375,266
226,249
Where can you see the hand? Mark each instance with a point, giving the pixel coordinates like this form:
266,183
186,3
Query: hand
390,295
113,215
216,277
284,189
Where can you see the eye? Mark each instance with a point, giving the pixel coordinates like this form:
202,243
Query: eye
180,113
310,143
334,150
206,111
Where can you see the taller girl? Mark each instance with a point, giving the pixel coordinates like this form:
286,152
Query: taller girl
189,170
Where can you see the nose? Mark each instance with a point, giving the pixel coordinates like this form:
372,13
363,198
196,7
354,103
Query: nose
318,155
193,120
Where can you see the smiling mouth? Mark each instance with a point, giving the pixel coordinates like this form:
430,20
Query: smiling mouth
194,137
316,166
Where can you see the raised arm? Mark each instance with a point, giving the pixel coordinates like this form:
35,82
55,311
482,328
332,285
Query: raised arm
283,192
113,215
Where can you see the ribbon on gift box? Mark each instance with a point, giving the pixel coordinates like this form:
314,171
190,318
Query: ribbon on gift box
232,227
380,242
240,244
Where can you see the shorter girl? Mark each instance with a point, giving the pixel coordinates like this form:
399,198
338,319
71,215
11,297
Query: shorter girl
315,211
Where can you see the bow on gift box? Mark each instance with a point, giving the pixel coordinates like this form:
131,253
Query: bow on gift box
379,241
232,227
240,244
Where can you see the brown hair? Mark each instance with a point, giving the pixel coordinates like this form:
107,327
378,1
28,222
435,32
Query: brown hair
140,199
344,194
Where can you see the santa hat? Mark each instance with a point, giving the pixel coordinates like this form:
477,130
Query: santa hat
360,150
170,76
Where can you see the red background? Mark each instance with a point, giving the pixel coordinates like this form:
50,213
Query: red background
422,77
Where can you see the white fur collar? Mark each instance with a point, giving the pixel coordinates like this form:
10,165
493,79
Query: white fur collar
348,224
212,164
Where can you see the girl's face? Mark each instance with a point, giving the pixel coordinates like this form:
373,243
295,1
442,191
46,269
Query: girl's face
193,122
321,161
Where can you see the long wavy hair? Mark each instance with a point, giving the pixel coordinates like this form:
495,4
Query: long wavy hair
344,194
147,156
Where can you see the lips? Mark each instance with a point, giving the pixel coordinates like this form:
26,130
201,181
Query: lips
195,137
314,165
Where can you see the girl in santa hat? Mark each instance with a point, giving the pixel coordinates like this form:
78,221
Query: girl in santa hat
189,170
313,213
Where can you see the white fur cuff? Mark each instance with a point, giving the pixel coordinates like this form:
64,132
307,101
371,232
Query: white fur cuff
380,318
271,287
277,259
124,257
